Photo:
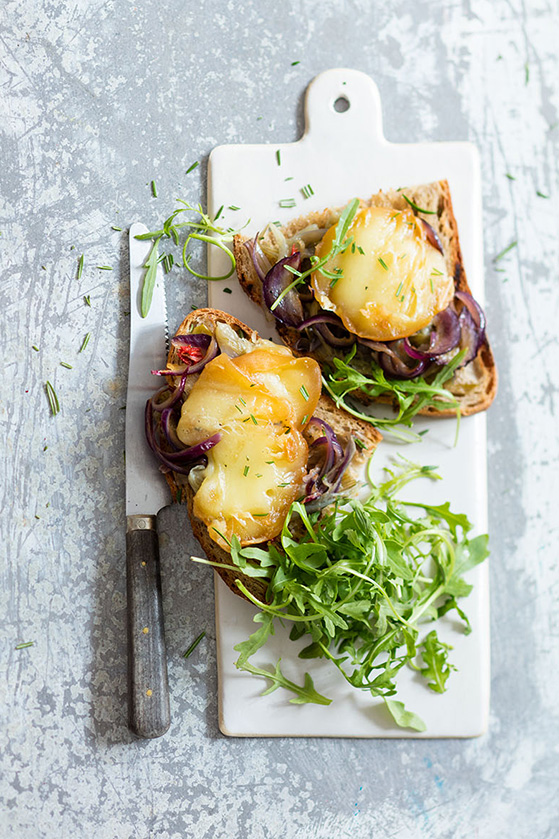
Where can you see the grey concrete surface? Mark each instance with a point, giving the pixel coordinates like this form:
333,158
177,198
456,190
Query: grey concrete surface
96,99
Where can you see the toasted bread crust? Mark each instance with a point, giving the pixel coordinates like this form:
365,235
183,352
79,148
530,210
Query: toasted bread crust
181,491
474,391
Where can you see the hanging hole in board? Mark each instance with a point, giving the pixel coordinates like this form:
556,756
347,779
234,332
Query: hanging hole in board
341,105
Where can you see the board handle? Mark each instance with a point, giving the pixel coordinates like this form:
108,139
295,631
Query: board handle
339,102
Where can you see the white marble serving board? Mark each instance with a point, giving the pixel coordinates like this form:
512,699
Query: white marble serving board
342,155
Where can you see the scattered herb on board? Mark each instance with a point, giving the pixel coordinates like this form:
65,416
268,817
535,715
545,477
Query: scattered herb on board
52,398
191,168
153,189
80,267
505,251
85,342
194,644
26,643
360,583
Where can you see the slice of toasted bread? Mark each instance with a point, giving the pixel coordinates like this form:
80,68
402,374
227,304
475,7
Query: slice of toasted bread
344,426
475,384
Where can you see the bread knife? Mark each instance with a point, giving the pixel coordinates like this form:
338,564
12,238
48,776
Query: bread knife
146,493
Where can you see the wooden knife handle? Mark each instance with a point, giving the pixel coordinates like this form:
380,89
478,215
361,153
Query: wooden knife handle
148,691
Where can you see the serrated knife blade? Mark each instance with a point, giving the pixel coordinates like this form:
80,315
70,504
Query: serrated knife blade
146,494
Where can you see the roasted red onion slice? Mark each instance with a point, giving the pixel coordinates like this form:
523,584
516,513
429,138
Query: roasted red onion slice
259,260
476,312
177,461
195,350
174,396
324,480
432,237
445,335
290,309
320,321
394,365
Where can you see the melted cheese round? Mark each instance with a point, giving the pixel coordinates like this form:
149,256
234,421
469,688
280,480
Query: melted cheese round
395,287
259,402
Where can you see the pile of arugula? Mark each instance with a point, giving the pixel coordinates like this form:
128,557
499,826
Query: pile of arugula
359,582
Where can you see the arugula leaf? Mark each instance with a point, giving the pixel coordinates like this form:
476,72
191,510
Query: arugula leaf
409,396
404,718
435,656
359,581
303,694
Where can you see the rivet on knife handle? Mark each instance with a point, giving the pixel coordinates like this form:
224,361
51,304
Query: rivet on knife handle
148,690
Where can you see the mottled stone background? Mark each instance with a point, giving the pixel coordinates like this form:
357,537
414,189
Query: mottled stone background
97,98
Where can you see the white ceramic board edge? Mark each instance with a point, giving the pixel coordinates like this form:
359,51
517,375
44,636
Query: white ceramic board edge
342,155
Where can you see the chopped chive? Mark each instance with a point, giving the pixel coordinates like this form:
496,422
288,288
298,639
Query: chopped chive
277,223
278,157
431,282
353,247
80,267
360,444
53,399
104,267
153,189
270,461
242,401
194,644
541,194
191,168
45,448
245,471
510,177
240,410
402,298
26,643
304,392
258,475
289,179
288,430
85,342
383,263
294,63
307,191
219,212
505,251
118,229
34,347
66,365
436,273
399,289
304,420
414,206
333,282
287,203
259,515
87,299
360,249
232,207
526,73
227,291
283,485
253,418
